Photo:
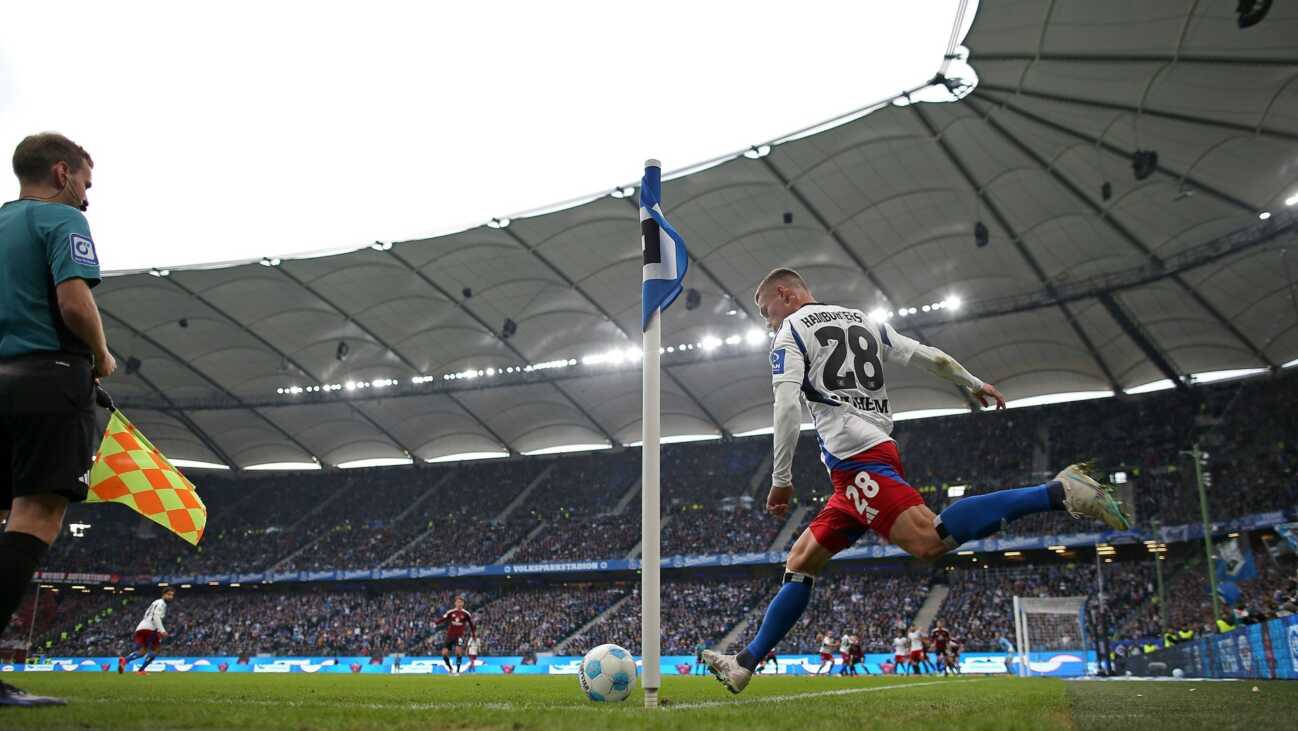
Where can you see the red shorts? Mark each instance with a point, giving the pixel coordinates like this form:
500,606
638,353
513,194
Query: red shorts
826,657
916,655
899,659
148,639
870,492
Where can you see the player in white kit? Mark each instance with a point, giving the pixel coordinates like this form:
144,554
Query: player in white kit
900,651
149,633
827,646
916,640
833,359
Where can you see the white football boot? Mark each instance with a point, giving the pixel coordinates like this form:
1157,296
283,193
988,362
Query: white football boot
1084,497
727,670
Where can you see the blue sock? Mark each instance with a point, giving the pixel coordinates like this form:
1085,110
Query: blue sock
788,605
979,516
147,659
135,655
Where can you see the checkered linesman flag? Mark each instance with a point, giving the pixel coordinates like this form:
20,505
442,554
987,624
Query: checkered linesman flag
129,470
665,258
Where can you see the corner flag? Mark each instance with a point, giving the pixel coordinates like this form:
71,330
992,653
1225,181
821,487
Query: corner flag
131,471
665,260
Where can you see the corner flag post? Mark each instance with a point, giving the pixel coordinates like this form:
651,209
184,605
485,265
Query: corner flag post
665,262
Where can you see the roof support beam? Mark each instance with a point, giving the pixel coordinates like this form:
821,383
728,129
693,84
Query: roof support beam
182,417
824,223
609,317
1143,341
1138,58
1124,154
285,357
1019,245
1258,130
208,379
1122,231
503,341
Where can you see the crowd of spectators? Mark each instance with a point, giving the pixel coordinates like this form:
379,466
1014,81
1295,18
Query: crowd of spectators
538,618
979,608
583,537
693,611
872,606
736,528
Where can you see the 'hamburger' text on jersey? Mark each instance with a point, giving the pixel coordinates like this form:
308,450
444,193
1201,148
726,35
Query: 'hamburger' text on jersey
837,355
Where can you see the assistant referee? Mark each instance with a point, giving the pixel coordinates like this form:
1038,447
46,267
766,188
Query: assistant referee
52,351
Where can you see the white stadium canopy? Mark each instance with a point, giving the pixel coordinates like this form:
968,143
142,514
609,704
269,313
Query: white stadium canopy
1091,281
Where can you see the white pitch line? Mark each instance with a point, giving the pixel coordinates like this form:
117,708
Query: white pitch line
814,694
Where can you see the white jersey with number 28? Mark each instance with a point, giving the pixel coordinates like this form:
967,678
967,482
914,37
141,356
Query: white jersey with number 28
837,355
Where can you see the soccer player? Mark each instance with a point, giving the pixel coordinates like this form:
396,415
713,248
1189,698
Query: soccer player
941,637
52,349
1008,647
916,650
845,652
827,645
834,359
953,656
148,633
457,621
857,655
699,667
772,661
475,645
900,651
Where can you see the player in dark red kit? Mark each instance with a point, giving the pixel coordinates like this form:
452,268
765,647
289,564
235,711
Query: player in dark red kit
941,638
457,621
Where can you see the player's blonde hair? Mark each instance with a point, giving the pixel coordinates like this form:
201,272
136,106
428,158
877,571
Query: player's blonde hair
781,275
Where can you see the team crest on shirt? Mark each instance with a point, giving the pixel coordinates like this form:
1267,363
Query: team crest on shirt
777,361
83,250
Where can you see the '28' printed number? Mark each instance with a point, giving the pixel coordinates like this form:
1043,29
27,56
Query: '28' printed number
865,370
862,490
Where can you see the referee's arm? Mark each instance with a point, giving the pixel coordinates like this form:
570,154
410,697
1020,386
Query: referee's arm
81,315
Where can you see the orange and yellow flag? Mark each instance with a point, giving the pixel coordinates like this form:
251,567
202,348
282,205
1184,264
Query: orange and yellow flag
130,470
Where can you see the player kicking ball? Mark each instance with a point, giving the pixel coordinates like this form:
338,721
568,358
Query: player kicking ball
457,621
148,634
833,358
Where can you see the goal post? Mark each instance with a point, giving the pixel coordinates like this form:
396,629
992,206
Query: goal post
1042,624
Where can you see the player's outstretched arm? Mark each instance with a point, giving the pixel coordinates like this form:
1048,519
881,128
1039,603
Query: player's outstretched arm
943,366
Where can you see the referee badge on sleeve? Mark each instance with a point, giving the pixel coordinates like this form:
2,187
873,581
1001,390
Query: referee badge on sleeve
777,362
82,250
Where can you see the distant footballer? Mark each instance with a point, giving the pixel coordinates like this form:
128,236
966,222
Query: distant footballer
458,621
149,633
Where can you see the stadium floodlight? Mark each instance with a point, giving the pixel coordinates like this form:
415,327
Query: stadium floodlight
1264,215
624,192
283,466
732,313
733,340
879,314
373,462
502,222
160,272
1291,200
567,448
710,342
926,308
466,457
757,152
195,464
754,337
952,303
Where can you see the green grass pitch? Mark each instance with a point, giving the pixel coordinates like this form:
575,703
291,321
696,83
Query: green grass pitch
303,702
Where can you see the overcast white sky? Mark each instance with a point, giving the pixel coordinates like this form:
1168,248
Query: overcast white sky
231,131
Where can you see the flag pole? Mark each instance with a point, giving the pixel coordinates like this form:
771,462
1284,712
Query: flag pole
650,516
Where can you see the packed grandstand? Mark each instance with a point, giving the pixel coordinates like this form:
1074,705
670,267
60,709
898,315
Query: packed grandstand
580,508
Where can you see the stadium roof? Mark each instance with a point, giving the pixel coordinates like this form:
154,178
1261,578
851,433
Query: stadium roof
1091,280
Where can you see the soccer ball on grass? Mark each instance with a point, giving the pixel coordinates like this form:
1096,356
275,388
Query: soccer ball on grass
607,673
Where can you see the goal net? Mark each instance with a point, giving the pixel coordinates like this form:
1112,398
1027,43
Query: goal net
1045,624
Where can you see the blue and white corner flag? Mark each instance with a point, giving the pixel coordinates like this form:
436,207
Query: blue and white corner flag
665,258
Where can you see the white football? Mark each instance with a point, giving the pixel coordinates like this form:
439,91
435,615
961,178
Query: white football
607,674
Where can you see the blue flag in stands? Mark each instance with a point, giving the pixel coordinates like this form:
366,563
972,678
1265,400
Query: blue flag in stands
665,258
